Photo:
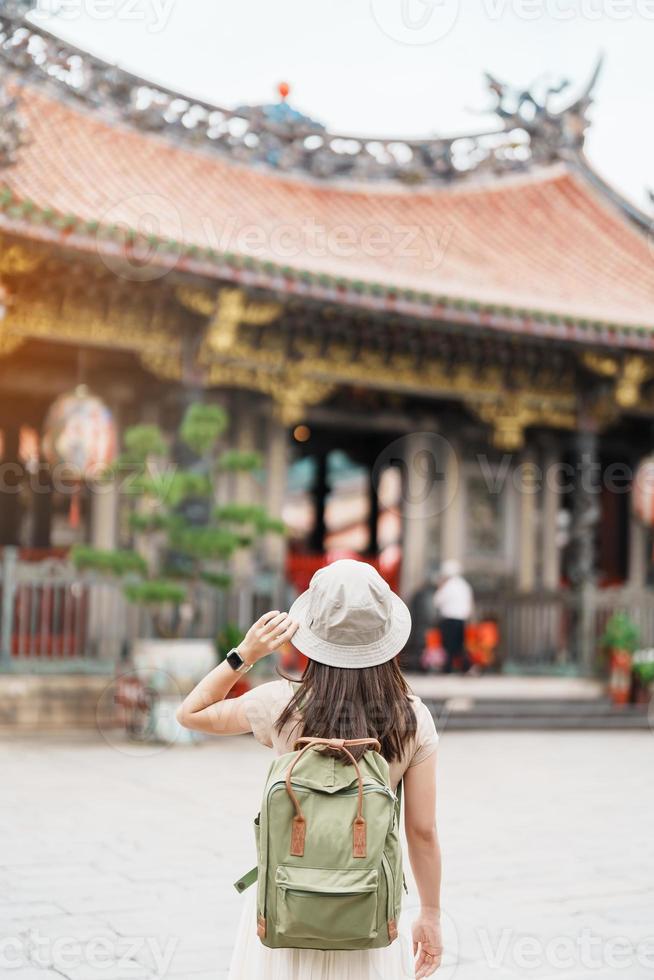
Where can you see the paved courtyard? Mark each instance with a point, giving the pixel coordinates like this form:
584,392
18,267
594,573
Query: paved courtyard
117,861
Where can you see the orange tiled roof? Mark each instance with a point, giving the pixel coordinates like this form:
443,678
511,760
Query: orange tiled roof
544,243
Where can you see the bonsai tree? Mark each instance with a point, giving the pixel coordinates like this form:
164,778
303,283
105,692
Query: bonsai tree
184,540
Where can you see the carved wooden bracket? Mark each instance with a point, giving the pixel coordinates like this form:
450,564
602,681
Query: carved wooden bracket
227,311
630,374
510,414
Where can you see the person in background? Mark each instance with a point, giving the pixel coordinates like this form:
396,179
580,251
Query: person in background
454,602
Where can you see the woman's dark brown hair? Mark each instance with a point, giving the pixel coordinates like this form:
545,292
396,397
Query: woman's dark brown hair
335,702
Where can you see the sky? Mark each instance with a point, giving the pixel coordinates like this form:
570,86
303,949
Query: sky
391,67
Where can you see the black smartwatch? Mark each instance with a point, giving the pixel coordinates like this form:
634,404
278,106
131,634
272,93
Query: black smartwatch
236,662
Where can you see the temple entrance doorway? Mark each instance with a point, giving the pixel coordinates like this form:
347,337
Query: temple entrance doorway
339,504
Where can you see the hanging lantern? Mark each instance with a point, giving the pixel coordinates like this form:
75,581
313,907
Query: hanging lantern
80,434
642,493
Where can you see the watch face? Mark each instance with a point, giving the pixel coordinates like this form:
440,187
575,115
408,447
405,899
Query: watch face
235,660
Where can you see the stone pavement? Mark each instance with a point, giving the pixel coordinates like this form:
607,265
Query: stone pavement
116,862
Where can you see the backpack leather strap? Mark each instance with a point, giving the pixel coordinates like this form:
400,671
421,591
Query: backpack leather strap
299,828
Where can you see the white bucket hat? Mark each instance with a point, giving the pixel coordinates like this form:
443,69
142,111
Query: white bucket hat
350,617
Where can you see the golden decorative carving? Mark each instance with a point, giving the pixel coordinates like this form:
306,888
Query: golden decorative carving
312,377
167,365
197,300
630,374
291,392
150,329
509,414
602,364
636,370
231,310
15,260
228,309
117,327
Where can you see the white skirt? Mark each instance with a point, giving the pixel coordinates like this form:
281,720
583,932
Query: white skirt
251,960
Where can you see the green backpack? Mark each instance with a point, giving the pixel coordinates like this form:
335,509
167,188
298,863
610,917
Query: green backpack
330,859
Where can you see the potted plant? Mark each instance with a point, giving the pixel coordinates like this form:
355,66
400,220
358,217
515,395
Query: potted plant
184,540
620,639
643,676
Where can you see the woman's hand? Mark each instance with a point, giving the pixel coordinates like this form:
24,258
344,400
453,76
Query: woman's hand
427,944
268,634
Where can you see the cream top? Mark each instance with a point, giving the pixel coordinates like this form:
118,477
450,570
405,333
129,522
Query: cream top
265,703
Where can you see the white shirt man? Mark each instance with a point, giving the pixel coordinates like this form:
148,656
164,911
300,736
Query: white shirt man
454,601
453,598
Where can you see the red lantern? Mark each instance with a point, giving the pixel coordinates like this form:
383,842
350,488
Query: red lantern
79,434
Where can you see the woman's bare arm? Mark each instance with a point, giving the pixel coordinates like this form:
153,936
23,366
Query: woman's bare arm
425,857
205,708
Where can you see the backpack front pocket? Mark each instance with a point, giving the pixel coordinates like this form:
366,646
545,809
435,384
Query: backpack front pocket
317,904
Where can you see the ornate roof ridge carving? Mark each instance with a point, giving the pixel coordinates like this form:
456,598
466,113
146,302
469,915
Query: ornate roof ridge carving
530,131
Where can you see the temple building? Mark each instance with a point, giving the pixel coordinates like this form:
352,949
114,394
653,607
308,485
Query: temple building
444,347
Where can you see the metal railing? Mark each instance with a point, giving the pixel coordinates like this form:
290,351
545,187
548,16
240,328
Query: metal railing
537,629
52,617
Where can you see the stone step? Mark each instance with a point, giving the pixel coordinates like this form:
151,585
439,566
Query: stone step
460,713
53,702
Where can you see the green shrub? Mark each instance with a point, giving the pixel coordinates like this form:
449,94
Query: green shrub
621,633
191,540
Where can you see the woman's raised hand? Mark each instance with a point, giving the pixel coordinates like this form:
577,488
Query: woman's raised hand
266,635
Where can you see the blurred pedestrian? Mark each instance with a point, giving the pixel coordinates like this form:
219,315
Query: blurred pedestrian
454,602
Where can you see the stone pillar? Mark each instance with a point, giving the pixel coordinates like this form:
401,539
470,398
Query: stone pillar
275,491
585,517
551,501
422,496
104,514
528,490
452,517
638,543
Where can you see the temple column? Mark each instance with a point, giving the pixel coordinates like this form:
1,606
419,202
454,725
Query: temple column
638,543
528,530
105,498
42,506
422,495
11,476
586,512
274,547
245,489
104,514
320,490
452,518
373,516
551,503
